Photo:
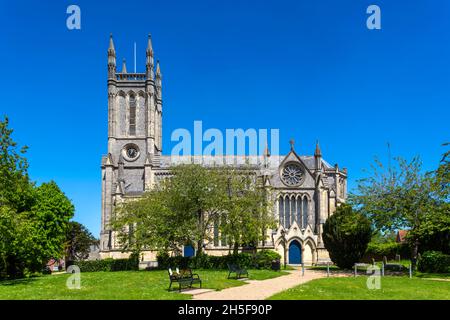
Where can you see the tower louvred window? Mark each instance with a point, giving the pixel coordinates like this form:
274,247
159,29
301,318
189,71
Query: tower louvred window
132,115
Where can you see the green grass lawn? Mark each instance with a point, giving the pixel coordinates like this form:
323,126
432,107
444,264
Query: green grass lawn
118,285
354,288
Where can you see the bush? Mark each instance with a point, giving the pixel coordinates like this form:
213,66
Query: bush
434,261
262,260
109,264
346,235
378,250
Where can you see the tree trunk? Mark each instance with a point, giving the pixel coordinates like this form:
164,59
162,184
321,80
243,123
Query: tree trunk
201,232
236,248
199,247
415,253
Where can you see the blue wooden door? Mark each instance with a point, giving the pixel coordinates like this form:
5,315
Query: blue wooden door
188,251
295,253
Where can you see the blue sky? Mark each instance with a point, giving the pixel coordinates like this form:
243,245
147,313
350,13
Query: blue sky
310,68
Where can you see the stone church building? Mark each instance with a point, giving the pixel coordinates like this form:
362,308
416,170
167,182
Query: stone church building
306,188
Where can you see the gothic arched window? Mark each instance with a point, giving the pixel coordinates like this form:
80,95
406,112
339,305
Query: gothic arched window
132,119
299,211
305,212
287,213
281,210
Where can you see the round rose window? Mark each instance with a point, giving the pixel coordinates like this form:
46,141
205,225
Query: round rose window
292,174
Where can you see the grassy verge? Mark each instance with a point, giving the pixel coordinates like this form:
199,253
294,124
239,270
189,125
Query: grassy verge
117,285
355,288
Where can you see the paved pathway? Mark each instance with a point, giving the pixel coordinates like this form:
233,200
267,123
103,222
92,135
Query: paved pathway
261,289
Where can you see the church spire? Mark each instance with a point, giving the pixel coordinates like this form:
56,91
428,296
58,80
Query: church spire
111,58
124,66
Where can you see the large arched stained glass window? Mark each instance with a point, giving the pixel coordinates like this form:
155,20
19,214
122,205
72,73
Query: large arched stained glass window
293,208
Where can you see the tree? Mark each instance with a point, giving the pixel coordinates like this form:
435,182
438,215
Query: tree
185,208
32,219
180,211
78,242
16,190
148,223
246,215
402,197
442,175
52,212
346,235
196,194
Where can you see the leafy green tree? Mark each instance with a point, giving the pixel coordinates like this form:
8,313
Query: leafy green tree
346,235
185,208
402,197
148,223
78,242
16,190
180,211
442,175
52,212
246,215
197,195
33,219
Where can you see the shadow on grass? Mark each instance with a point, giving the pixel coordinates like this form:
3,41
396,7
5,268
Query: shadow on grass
18,282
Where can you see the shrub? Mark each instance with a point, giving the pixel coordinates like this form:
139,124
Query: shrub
109,264
262,259
434,261
346,235
378,250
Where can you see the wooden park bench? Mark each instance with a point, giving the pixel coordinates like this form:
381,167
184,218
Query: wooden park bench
323,262
233,268
185,278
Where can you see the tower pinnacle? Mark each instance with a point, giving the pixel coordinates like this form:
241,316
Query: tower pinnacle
318,152
111,58
149,55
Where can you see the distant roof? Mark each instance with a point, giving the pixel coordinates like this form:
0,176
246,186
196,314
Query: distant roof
401,235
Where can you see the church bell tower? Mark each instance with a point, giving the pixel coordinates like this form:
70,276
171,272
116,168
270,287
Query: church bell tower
134,135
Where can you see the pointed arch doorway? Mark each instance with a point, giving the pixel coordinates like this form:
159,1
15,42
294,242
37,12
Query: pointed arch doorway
295,252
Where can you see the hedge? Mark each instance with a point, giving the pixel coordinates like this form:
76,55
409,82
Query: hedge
434,261
389,250
261,260
108,264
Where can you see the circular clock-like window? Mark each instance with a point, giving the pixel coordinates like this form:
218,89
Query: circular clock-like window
292,174
130,152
